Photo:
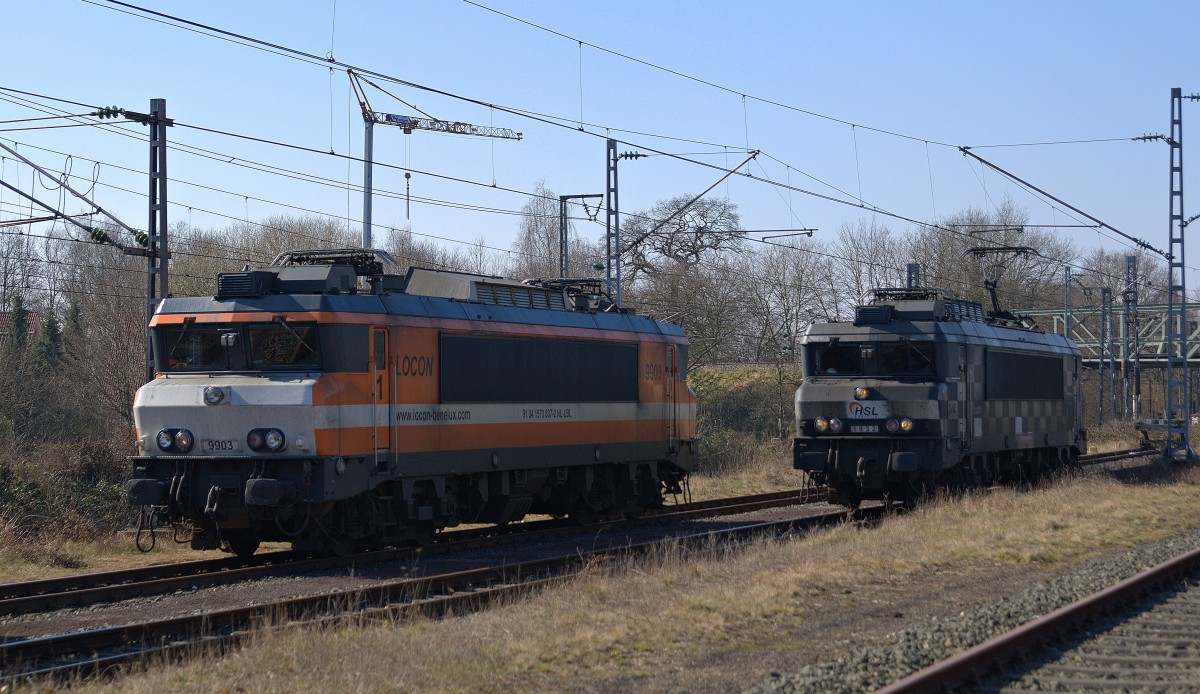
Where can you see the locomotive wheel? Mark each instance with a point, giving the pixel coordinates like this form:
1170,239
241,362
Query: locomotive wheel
340,547
423,535
849,496
852,501
243,543
583,514
918,488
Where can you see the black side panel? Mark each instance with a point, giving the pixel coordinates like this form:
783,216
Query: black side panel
344,347
492,369
1014,376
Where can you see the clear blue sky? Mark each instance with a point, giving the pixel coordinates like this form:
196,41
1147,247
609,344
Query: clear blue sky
939,73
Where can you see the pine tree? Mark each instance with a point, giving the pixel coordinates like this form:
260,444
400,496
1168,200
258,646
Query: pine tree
18,324
50,343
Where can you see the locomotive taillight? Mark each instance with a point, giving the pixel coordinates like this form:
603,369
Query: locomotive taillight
835,425
184,440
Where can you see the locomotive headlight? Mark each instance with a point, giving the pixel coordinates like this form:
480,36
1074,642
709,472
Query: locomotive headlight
274,439
268,440
821,424
164,440
184,440
214,395
906,425
893,426
835,425
861,393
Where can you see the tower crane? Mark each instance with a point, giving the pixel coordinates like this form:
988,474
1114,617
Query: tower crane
409,124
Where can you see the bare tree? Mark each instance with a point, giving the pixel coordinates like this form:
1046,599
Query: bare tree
536,249
1107,269
673,237
1024,280
866,255
785,294
18,263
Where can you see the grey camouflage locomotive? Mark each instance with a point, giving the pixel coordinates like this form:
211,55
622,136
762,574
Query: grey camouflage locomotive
924,390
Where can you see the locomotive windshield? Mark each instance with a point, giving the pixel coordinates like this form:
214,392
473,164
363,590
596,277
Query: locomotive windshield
880,359
237,347
190,348
838,358
280,344
904,358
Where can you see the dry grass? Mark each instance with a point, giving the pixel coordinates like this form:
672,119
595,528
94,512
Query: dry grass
1113,436
617,624
28,557
760,467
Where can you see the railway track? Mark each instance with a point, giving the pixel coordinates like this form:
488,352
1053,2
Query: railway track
82,589
1138,635
88,589
1115,456
96,651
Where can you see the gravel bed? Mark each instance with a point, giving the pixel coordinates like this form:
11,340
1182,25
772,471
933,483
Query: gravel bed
918,647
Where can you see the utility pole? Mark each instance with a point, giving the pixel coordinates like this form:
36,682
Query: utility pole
1100,370
1128,316
612,228
1067,301
1107,299
157,254
1108,337
564,267
1178,399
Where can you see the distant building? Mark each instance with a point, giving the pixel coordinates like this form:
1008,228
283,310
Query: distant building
35,326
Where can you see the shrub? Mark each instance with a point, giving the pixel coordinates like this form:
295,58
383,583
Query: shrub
755,400
63,491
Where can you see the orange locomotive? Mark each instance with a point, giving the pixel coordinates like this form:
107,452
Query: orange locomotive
325,403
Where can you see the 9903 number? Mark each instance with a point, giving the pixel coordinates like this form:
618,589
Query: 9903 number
219,445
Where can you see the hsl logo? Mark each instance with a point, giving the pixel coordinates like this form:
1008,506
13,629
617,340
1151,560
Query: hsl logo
858,409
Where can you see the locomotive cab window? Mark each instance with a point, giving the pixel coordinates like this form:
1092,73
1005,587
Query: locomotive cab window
902,359
836,358
905,358
283,345
189,347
